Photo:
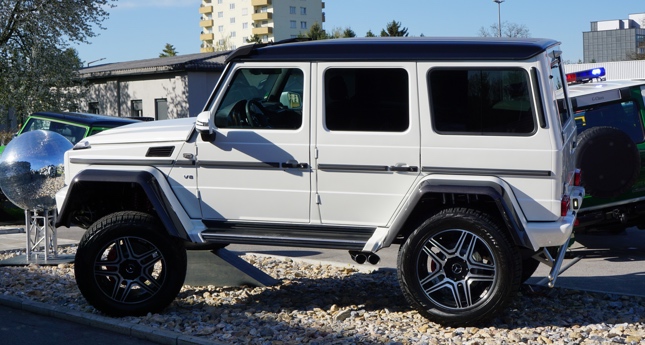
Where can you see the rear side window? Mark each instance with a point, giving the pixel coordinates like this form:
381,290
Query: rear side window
481,101
367,99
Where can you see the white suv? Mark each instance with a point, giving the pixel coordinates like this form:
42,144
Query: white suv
454,148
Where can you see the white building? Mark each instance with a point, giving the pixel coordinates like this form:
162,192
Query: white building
228,24
160,88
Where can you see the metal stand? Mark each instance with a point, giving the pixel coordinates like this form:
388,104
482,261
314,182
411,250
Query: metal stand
41,234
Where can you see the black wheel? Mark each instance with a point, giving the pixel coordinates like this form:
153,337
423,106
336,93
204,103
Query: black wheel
458,268
529,266
125,265
609,160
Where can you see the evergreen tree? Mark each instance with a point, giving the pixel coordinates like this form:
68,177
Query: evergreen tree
169,50
394,29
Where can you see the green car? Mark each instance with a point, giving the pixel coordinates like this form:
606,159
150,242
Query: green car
73,126
617,110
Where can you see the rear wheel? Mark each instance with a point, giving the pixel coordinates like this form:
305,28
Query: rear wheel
459,268
125,265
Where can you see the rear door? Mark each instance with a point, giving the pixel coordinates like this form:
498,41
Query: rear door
367,140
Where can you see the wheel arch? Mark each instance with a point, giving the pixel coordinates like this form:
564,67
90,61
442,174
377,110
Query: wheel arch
141,184
430,198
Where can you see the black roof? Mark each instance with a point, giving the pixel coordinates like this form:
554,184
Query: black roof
93,120
397,49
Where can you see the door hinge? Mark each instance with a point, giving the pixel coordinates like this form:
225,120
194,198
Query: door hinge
318,199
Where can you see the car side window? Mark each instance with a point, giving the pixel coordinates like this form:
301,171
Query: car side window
481,101
262,98
367,99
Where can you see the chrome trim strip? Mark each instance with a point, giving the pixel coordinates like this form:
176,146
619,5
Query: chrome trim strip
488,172
99,161
347,167
238,165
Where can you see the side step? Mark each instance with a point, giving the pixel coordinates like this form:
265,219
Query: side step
312,236
222,268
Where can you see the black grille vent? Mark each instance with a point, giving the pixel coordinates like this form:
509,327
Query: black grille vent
163,151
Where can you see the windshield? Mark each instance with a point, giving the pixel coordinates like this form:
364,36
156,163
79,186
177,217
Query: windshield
71,132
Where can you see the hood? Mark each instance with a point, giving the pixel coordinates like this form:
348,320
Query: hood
146,132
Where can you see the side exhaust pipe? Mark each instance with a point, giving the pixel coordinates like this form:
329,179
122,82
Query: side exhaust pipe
362,257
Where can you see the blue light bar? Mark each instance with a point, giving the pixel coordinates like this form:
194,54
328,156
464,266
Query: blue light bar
583,76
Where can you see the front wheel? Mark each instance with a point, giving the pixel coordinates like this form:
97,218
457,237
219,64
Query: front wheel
459,268
125,265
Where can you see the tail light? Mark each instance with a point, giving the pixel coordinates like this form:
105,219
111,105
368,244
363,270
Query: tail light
577,178
564,205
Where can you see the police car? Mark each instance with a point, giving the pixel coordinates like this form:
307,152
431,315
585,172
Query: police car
614,108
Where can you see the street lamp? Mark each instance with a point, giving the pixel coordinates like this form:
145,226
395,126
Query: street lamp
91,62
499,17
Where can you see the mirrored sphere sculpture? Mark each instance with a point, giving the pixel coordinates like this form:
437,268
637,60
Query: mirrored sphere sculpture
31,169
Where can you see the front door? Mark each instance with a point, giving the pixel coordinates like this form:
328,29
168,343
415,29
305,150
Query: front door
367,141
258,166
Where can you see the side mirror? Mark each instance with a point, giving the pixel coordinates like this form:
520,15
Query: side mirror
291,100
204,126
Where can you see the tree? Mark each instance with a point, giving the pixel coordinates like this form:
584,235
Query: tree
370,34
37,70
254,39
394,29
348,32
316,32
169,50
508,30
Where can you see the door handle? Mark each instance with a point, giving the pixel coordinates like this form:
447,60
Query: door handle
294,165
403,168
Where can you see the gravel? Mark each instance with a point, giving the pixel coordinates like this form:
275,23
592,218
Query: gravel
329,304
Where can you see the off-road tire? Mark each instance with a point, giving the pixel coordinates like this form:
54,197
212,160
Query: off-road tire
609,160
456,248
126,265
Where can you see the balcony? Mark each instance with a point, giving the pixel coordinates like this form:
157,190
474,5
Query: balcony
206,9
207,49
262,16
206,23
206,37
261,2
265,30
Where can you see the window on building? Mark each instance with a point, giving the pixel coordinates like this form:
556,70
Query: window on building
231,6
303,25
220,14
265,38
264,9
245,25
232,20
233,34
481,101
220,28
292,24
303,11
93,108
161,109
367,99
292,9
136,107
220,1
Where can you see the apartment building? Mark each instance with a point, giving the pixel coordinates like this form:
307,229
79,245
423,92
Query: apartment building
228,24
614,40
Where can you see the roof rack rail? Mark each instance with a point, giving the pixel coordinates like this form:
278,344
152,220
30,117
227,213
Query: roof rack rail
247,49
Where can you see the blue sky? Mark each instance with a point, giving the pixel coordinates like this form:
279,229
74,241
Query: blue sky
139,29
